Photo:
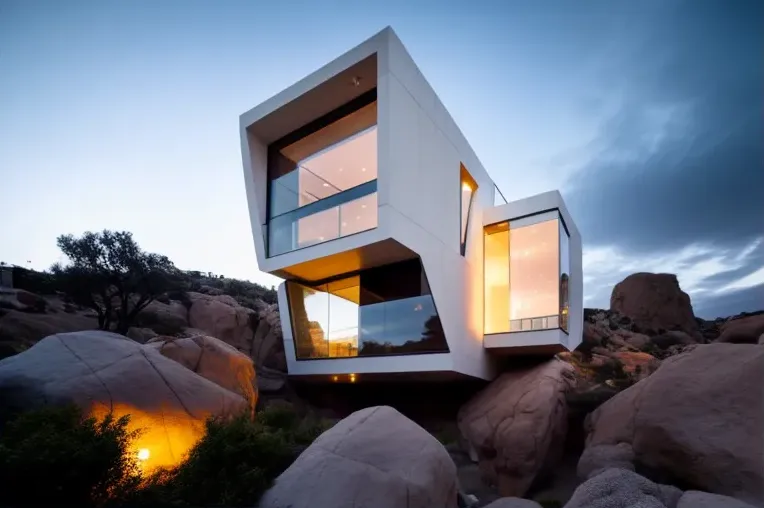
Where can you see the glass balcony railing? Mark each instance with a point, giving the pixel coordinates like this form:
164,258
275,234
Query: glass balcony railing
340,214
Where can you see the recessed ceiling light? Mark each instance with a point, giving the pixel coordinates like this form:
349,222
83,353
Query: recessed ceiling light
344,223
363,169
363,206
341,169
357,217
326,185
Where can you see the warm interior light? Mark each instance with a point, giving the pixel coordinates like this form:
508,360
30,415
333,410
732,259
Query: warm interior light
143,454
334,378
466,186
352,378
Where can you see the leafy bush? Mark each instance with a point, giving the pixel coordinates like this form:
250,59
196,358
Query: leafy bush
78,461
55,457
235,462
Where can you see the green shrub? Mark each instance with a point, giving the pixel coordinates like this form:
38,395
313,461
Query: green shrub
234,463
57,457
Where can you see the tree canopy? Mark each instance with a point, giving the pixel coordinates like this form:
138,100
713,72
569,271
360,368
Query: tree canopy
109,273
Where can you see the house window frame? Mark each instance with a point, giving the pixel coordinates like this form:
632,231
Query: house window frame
529,220
274,148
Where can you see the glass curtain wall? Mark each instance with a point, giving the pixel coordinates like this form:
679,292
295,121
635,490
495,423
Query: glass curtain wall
382,311
322,179
526,277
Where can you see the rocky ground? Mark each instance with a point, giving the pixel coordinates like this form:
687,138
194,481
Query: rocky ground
656,408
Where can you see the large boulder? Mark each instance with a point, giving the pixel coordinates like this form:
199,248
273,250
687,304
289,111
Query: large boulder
654,301
698,419
163,318
697,499
621,488
212,359
596,459
222,317
18,299
104,372
375,458
267,349
744,330
513,502
517,424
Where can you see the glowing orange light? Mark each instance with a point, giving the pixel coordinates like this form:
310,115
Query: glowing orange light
466,186
352,378
334,378
143,454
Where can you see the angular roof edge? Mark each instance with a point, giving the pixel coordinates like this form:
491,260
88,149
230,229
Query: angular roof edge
353,56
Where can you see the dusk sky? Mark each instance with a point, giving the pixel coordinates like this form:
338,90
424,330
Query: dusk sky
648,116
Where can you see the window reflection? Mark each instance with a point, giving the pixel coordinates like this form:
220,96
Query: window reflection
316,180
382,311
533,269
564,277
526,274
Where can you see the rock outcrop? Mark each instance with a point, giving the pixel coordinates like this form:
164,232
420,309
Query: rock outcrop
222,317
620,488
518,423
374,458
697,420
255,332
21,330
654,301
744,330
104,372
513,502
212,359
697,499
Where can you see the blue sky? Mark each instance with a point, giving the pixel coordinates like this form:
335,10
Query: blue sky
646,115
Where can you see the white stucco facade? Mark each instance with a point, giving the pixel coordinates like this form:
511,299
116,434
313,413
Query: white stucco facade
421,157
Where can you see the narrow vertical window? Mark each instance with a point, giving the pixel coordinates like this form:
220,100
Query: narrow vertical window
496,278
564,276
467,193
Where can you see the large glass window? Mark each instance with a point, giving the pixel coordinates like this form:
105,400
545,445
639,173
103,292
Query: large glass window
526,276
322,179
382,311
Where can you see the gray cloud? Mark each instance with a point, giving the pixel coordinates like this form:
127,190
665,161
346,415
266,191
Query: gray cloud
681,161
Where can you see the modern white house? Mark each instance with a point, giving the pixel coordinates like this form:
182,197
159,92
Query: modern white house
399,253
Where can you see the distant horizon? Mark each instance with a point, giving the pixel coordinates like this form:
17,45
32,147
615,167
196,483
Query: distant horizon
646,117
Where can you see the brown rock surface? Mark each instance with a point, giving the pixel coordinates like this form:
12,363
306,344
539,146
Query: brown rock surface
21,330
654,301
745,330
212,359
518,423
375,458
222,317
698,418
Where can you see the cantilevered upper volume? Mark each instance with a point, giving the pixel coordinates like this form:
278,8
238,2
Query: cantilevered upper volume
401,256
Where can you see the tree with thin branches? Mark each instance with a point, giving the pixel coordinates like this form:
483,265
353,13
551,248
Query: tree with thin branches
109,273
